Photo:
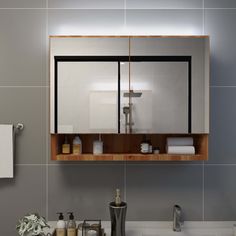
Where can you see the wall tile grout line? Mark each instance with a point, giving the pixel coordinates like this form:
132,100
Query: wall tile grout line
22,8
41,61
220,164
46,8
223,86
30,164
119,164
47,121
164,164
190,8
203,167
203,191
42,130
170,8
125,14
111,164
87,164
43,80
218,8
203,16
46,192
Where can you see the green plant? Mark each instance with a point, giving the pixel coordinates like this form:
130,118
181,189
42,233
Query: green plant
31,223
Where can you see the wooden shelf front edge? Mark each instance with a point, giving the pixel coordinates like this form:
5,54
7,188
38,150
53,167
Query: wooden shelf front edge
129,157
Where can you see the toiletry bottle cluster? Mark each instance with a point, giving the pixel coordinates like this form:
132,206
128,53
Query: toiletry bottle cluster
147,148
76,146
66,229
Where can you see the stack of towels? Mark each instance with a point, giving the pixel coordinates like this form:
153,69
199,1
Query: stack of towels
180,145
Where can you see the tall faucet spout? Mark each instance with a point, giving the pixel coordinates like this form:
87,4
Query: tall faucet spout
177,218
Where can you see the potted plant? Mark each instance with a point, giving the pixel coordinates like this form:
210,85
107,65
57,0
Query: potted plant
31,224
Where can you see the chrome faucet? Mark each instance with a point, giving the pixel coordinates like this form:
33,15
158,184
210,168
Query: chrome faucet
177,218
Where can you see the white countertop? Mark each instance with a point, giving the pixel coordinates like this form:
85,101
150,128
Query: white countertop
164,228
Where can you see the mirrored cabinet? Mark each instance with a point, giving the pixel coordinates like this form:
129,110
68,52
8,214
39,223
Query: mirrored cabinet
127,89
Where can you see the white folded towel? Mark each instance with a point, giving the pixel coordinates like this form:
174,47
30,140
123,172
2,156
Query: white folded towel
6,149
179,141
180,150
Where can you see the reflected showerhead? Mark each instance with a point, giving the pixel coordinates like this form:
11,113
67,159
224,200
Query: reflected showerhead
132,94
126,110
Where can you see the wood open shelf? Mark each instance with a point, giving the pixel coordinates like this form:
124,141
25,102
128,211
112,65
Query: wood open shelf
129,157
125,147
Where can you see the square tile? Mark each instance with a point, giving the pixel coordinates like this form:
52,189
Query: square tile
83,4
220,193
85,22
219,25
220,4
222,138
27,106
24,194
164,22
22,62
86,190
153,190
23,3
163,4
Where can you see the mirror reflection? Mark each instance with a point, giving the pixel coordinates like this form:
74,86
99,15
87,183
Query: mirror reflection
159,97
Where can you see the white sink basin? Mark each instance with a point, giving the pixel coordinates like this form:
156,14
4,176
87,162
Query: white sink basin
189,229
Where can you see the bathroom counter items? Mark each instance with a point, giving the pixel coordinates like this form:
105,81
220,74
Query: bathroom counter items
164,228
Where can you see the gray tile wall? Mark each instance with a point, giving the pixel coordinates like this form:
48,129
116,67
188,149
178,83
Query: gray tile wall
205,190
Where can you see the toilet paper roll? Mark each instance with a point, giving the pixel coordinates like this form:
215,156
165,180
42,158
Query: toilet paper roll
180,141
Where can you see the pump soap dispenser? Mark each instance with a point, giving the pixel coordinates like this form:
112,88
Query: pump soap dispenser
66,146
71,225
77,145
61,225
118,215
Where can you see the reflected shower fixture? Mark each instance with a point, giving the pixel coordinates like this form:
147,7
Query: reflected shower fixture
127,110
132,94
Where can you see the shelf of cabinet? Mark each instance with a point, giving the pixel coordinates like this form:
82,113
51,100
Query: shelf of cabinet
129,157
122,147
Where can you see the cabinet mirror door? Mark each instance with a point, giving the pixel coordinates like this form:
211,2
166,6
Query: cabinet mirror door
178,100
87,96
160,97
